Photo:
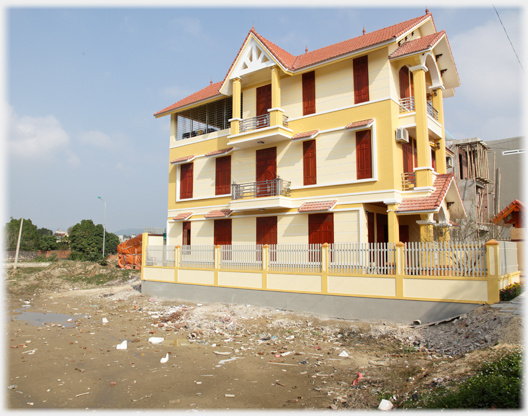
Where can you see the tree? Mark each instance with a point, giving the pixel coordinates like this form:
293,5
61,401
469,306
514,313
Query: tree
44,231
29,240
86,240
48,242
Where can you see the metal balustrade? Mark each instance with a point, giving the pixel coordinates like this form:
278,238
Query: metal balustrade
362,258
407,105
408,181
272,187
259,122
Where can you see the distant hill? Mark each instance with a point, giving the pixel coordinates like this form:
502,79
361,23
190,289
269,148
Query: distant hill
128,231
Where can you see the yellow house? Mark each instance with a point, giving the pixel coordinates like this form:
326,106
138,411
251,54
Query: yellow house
340,144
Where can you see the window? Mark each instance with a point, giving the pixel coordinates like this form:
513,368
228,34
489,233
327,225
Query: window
361,81
308,86
186,181
321,228
186,233
406,81
204,119
309,167
223,175
363,155
222,232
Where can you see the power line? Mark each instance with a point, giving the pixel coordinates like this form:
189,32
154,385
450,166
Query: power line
508,38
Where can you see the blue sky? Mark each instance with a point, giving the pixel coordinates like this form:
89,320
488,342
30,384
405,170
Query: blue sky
81,86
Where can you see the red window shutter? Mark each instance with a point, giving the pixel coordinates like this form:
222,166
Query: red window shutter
321,228
433,159
222,232
404,82
309,164
407,157
361,82
363,155
223,175
266,230
263,99
186,181
308,84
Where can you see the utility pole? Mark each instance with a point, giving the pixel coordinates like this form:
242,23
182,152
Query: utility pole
18,243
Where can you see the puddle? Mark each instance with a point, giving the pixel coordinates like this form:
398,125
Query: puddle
44,318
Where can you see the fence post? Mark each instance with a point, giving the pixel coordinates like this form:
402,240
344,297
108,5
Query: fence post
265,265
493,267
324,268
176,262
216,263
144,245
400,259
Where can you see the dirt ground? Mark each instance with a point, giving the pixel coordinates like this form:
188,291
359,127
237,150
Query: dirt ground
63,332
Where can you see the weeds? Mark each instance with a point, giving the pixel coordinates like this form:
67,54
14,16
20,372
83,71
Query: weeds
496,385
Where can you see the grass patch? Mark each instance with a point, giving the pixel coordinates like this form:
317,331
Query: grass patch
497,384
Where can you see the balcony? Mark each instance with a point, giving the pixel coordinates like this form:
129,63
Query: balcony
270,194
264,129
259,122
407,105
408,181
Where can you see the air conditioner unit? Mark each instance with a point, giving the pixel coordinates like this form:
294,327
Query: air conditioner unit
402,135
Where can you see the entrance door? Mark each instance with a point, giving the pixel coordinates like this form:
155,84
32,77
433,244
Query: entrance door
382,225
404,233
267,234
266,171
263,105
186,237
320,231
223,236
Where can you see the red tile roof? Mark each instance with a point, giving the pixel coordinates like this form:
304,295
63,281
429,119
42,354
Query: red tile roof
294,63
516,205
204,94
311,134
182,216
182,159
219,152
431,202
361,123
418,45
222,213
317,206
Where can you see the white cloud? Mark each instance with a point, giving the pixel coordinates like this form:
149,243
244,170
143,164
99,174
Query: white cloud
36,137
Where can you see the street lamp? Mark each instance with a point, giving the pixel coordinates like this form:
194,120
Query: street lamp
104,226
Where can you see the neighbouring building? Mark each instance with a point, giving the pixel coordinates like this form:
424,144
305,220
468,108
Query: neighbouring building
341,144
468,160
505,168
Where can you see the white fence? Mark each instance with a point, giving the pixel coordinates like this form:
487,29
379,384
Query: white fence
160,256
200,256
425,259
362,258
241,257
508,257
295,258
445,259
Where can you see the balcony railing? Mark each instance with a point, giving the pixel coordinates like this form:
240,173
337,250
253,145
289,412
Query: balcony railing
408,181
272,187
433,112
259,122
407,105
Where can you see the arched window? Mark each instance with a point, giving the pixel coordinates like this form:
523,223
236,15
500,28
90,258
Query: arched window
406,83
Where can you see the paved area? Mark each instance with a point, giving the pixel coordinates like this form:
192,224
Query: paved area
514,306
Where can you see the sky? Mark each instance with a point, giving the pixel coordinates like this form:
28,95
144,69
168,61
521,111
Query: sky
81,85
